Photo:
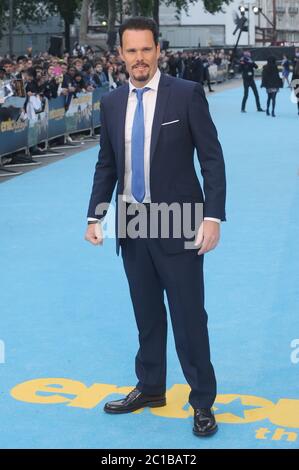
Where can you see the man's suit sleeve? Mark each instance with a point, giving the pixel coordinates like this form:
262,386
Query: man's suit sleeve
105,175
209,153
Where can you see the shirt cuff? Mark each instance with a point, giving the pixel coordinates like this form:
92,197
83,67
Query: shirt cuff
92,218
212,218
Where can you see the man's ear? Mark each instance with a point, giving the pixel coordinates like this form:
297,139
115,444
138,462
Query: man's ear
158,49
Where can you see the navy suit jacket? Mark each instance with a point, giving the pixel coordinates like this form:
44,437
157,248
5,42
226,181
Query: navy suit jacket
172,174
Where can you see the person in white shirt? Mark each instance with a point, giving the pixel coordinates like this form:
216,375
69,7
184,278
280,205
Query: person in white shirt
150,129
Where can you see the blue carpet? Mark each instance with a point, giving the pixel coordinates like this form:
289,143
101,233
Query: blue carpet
68,334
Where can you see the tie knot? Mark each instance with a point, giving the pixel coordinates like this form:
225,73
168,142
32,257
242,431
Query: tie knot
139,92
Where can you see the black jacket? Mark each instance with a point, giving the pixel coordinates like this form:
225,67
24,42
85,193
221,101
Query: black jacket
247,70
182,105
197,70
270,77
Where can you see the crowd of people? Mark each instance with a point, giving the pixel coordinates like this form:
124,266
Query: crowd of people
47,76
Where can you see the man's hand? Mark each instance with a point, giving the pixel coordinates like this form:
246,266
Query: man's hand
94,234
208,236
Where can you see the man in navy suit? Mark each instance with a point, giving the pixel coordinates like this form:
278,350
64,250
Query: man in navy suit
150,129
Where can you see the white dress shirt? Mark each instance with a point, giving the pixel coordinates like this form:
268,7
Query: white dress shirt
149,104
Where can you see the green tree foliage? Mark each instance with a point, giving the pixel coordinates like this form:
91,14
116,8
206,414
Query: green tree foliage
148,7
24,12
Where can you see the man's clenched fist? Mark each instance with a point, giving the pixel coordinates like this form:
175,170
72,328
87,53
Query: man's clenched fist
94,234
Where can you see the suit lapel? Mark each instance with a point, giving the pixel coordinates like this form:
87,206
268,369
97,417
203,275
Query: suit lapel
121,122
161,105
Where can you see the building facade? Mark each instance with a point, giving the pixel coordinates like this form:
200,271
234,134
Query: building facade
200,27
32,35
285,14
188,30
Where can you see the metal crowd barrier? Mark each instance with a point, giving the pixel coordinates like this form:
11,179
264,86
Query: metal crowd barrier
16,134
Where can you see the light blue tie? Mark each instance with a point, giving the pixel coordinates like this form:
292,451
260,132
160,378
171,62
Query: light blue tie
137,148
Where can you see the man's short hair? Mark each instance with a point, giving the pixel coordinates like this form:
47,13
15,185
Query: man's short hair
140,23
87,67
22,57
31,72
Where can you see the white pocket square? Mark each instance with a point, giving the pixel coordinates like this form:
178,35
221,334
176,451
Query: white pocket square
169,122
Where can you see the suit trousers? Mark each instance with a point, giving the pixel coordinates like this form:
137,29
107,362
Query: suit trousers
250,84
151,272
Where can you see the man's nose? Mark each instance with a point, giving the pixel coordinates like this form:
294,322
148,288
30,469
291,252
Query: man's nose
139,56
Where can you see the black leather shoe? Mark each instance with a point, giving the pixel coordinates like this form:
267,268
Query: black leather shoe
260,110
204,422
133,401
